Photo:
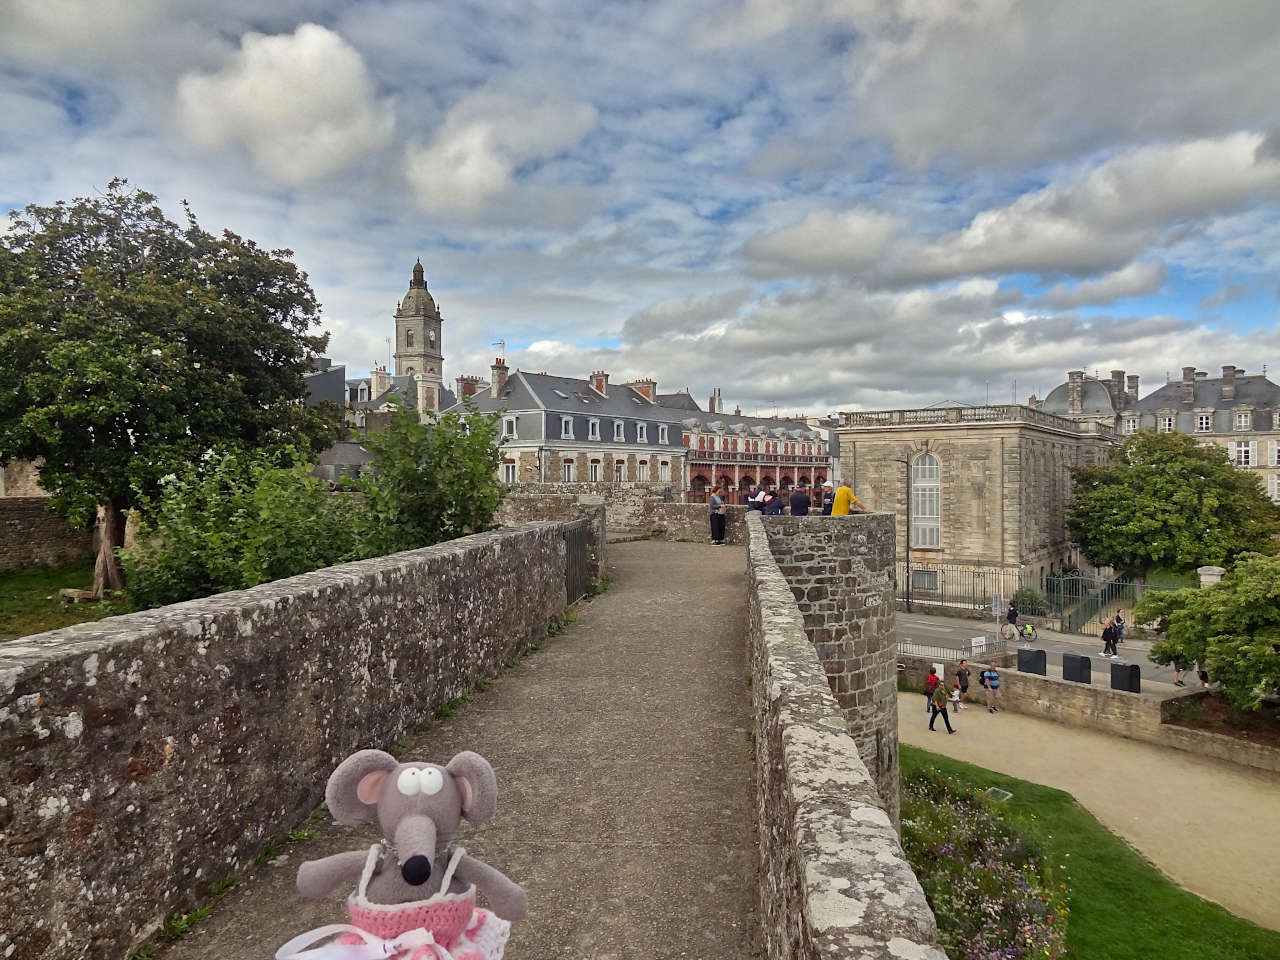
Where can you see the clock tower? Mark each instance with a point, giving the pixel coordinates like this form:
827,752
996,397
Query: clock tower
418,346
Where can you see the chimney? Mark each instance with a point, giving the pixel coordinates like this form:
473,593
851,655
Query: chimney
714,404
379,382
1188,389
600,382
497,378
428,398
647,388
1075,391
1116,386
1229,382
467,386
737,410
1133,389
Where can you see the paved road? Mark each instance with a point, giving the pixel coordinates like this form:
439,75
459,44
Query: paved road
1210,825
624,756
953,631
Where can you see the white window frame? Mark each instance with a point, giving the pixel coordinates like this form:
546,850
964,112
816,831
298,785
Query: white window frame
1131,425
619,432
1243,420
1244,453
1204,423
1273,453
508,428
664,471
642,433
1165,424
566,428
568,470
619,470
642,471
593,429
593,471
926,502
662,433
509,472
1273,486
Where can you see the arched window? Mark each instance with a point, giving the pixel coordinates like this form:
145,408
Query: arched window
926,485
408,338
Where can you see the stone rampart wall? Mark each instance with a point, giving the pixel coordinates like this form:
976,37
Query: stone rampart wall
562,508
840,571
624,502
661,518
834,882
1096,706
144,757
31,536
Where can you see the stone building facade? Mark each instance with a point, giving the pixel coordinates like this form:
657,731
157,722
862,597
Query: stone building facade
988,484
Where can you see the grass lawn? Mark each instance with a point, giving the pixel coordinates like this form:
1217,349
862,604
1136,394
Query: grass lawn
1122,908
26,606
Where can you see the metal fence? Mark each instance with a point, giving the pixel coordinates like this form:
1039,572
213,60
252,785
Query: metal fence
575,560
975,647
1072,601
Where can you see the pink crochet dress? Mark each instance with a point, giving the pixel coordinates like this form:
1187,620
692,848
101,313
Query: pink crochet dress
460,931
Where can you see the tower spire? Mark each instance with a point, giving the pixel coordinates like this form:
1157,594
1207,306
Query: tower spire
417,281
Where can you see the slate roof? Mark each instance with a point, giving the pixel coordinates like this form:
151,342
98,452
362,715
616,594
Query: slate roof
405,388
1095,400
1256,391
682,400
542,391
751,426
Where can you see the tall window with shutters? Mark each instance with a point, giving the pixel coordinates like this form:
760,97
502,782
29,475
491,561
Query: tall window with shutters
926,500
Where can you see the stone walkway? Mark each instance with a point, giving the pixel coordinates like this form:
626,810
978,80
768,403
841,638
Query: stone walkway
1212,826
625,765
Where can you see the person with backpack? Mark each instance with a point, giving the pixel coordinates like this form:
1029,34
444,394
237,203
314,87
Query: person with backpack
931,683
990,678
939,704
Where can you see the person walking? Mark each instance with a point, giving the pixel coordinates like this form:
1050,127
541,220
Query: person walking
718,511
931,683
828,497
940,707
799,501
955,697
845,502
1011,615
1109,641
1118,622
990,678
962,680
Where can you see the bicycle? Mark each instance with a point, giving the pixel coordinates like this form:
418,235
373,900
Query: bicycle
1024,633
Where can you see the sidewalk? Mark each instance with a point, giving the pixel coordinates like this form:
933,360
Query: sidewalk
627,796
1211,826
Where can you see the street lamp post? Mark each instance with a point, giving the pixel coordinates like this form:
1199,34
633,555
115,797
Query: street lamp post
907,544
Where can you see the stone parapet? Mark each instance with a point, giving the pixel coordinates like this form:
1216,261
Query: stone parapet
834,882
145,757
658,517
30,536
840,573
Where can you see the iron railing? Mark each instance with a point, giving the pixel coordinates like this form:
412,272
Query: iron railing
575,560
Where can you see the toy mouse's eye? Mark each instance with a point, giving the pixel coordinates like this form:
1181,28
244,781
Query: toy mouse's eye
409,782
432,781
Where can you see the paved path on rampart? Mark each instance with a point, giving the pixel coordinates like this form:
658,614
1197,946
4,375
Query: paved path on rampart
625,765
1212,826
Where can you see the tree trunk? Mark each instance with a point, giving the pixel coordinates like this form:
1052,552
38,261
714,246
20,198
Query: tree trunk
107,574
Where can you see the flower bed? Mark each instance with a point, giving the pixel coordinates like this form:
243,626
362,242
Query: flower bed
993,892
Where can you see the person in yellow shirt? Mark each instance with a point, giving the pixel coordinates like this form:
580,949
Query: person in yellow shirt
845,502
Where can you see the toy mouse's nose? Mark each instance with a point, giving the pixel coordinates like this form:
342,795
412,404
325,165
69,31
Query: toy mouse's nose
416,870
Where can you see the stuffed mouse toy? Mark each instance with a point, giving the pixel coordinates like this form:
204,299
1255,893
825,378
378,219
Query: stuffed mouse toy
414,897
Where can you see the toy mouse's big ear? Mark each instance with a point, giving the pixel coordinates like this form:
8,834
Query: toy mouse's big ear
477,783
354,788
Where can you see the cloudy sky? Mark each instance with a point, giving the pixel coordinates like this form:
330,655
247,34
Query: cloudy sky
815,205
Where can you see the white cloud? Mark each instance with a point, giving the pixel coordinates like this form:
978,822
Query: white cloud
302,104
825,242
1135,280
471,162
1227,293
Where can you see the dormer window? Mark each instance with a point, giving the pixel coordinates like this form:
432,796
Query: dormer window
619,431
566,428
1131,425
593,429
1244,420
642,433
508,428
1166,424
1204,422
662,433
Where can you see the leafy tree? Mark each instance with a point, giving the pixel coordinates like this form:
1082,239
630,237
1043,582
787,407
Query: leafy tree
431,481
1164,500
1232,627
236,519
130,345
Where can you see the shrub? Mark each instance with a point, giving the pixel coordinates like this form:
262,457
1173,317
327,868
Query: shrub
1028,600
989,885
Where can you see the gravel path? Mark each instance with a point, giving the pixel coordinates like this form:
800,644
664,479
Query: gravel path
1212,826
625,765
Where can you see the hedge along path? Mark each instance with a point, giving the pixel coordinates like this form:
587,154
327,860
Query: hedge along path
626,781
1211,826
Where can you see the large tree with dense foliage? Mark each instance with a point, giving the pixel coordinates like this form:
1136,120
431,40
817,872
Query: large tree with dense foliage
431,481
130,345
1232,627
1163,500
